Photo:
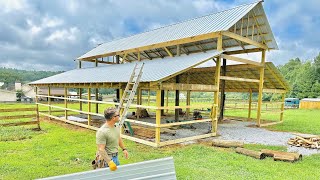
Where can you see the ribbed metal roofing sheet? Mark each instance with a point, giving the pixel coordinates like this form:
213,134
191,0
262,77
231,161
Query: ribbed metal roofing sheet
160,169
220,21
153,70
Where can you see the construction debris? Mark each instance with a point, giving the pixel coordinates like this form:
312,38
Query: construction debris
227,144
251,153
311,142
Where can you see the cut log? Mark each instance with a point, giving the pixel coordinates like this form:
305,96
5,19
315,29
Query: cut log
272,153
284,157
227,144
251,153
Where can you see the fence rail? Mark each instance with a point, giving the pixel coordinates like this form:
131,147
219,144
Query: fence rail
23,114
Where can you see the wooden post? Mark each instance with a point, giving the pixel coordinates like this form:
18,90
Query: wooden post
49,100
97,91
138,102
261,87
219,42
216,97
89,106
250,103
97,99
162,102
118,90
282,106
158,116
80,64
222,96
148,98
121,91
65,103
37,107
176,114
80,97
188,104
167,101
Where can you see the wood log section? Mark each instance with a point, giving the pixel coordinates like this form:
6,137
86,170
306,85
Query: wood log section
284,157
226,144
280,154
251,153
306,142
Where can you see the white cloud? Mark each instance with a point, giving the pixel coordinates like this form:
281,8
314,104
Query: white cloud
12,5
63,35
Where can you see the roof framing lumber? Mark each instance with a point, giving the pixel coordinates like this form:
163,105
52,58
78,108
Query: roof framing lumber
246,61
239,79
244,39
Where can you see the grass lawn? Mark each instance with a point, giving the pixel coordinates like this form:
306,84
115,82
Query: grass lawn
62,149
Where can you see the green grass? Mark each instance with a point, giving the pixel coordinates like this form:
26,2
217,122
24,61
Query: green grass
59,149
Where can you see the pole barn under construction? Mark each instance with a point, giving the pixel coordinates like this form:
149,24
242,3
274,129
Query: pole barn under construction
175,59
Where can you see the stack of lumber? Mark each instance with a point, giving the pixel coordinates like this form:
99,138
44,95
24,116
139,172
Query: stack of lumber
307,142
282,156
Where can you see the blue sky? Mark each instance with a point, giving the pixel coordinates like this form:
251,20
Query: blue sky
49,35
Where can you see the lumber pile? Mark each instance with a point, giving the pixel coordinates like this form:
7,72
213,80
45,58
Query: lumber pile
310,142
282,156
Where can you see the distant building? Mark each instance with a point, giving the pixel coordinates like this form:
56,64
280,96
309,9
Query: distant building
291,103
6,95
310,103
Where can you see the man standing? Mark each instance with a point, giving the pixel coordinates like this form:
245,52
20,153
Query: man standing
108,140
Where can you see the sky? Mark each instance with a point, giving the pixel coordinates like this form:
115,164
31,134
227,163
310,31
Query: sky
49,35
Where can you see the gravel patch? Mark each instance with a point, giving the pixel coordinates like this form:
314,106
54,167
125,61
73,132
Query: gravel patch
239,131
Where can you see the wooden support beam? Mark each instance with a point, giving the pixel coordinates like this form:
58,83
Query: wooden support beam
263,56
158,117
97,61
222,87
186,87
280,91
244,39
250,104
238,59
49,99
89,107
219,43
97,99
178,50
168,51
66,103
165,143
80,97
214,117
276,76
238,79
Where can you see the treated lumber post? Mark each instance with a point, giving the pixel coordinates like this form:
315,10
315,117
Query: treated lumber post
188,104
176,112
37,107
97,97
89,106
251,153
118,90
250,103
148,98
49,100
282,106
158,117
227,144
167,102
80,97
162,102
222,99
216,97
263,56
138,102
65,103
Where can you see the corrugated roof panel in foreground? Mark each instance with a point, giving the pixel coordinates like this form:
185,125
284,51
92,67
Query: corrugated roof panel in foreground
160,169
220,21
153,70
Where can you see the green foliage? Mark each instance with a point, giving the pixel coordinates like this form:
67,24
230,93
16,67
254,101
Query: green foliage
304,77
8,75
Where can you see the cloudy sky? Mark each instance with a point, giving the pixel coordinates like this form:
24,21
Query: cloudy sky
50,34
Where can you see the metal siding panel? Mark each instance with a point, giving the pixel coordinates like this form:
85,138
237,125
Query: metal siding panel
161,169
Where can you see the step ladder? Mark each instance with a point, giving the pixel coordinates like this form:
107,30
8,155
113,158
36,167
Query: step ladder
128,96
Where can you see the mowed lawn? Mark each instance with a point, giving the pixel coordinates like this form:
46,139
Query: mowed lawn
62,149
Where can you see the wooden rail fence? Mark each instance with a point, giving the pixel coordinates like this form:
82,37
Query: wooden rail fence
19,114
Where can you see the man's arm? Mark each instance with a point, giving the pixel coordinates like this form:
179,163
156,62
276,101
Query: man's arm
103,153
125,152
